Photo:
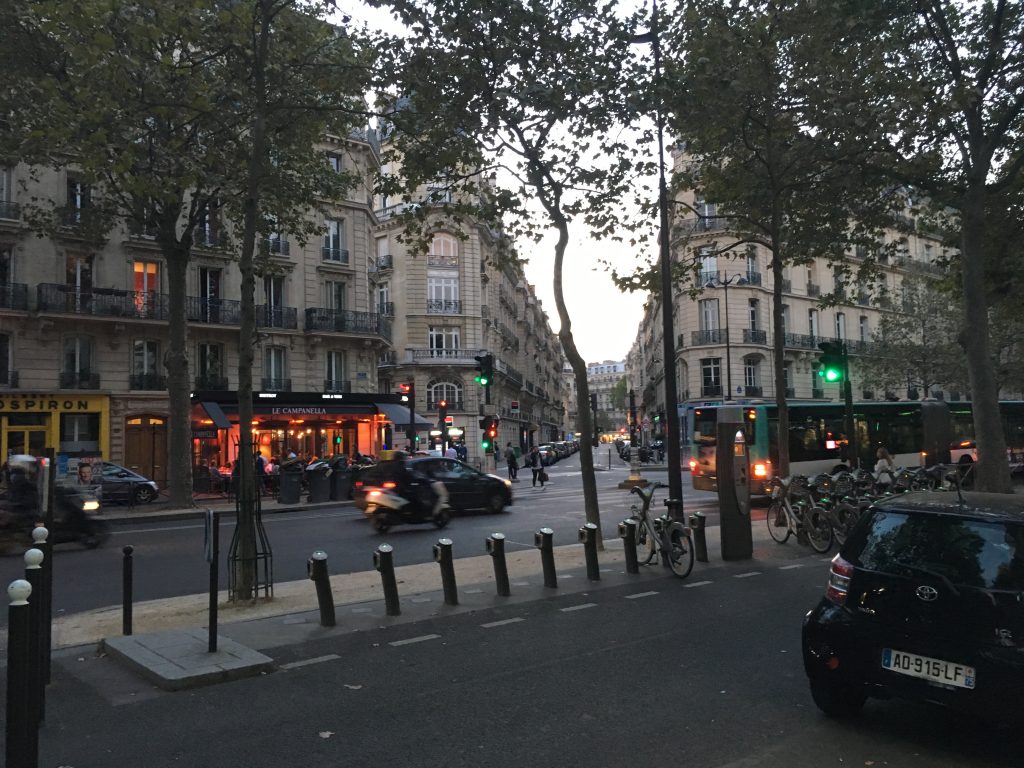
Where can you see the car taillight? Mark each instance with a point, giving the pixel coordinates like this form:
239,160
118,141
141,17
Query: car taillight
388,484
838,580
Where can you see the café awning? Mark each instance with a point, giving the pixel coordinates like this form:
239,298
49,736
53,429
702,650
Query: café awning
399,416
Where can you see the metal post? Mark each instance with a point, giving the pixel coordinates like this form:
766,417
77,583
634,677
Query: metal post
627,531
34,576
544,540
211,643
496,549
443,556
383,561
316,566
588,537
410,433
40,536
22,730
126,590
698,521
49,498
851,427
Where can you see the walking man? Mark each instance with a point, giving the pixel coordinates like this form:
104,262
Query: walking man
513,463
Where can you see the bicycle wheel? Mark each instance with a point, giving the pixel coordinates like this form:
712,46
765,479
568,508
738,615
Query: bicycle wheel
646,544
680,556
846,516
778,526
819,529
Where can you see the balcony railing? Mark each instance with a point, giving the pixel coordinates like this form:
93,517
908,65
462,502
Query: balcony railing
444,307
147,381
10,210
348,321
453,405
334,386
214,311
79,380
708,276
213,239
211,381
818,394
268,316
787,286
711,390
754,336
752,391
13,296
386,308
8,378
704,224
450,353
802,341
382,263
337,255
388,358
276,245
711,336
813,289
276,385
111,302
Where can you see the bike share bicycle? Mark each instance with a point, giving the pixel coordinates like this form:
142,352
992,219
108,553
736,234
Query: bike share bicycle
663,534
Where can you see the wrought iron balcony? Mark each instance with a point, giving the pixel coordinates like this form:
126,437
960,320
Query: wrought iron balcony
348,321
13,296
802,341
211,381
209,238
278,246
382,263
444,307
79,380
10,210
813,289
147,381
710,336
388,358
276,385
753,277
754,336
386,308
110,302
751,391
8,378
214,311
708,276
711,390
268,316
787,286
335,387
337,255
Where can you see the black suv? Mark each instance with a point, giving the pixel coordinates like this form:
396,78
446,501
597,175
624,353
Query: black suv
924,602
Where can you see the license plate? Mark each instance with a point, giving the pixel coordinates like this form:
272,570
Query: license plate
927,668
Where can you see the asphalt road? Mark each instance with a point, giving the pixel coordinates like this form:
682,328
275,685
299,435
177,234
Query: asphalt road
169,560
700,672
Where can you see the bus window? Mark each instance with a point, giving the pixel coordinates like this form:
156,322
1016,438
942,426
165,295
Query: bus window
705,426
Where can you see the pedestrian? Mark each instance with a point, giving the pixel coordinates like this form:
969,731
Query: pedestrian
533,461
450,452
885,468
512,461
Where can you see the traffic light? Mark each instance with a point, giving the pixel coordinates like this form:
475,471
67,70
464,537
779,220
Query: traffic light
485,369
442,411
490,439
831,361
593,402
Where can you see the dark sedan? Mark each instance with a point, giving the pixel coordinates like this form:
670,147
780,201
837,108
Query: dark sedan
122,485
468,488
924,602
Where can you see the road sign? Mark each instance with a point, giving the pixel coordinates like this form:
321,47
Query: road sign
646,423
514,406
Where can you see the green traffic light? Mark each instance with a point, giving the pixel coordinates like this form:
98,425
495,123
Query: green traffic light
477,378
832,375
486,445
483,380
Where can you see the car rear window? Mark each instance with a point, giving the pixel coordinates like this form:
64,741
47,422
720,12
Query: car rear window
968,552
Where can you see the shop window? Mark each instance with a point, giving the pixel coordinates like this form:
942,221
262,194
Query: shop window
79,432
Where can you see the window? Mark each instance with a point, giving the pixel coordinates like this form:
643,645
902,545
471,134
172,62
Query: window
6,185
751,261
334,162
444,251
77,355
209,283
334,373
5,359
785,319
146,285
211,363
865,331
382,247
273,291
787,374
752,372
334,295
6,264
840,325
277,242
79,432
754,314
708,264
334,242
145,357
384,299
812,322
208,230
447,391
708,314
78,198
444,342
274,359
443,293
711,375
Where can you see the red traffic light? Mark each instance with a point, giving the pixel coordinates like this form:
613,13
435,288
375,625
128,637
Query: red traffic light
442,403
403,388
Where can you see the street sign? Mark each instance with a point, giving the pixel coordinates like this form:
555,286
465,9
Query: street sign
514,406
646,423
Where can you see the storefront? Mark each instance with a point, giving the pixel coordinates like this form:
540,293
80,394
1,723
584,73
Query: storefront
66,424
307,424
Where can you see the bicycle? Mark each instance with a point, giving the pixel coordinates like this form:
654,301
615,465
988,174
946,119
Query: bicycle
793,510
671,537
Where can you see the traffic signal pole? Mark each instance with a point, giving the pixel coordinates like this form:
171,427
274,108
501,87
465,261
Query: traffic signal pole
410,433
851,426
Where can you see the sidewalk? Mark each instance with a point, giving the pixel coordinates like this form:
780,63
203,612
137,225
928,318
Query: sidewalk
170,644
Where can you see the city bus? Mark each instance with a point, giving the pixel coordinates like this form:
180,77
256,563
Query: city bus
916,433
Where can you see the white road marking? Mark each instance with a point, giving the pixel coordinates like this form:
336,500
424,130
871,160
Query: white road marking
746,575
788,567
697,584
579,607
502,623
640,594
412,640
307,662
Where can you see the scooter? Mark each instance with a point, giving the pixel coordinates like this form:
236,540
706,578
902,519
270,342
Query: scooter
386,507
74,520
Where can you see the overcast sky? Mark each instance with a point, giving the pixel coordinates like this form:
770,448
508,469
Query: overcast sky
604,320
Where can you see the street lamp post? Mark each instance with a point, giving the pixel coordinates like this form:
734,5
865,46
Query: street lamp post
672,436
725,283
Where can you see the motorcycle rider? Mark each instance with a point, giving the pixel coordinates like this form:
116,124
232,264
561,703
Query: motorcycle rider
409,484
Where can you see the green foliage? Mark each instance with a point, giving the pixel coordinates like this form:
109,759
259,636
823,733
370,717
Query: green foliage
618,394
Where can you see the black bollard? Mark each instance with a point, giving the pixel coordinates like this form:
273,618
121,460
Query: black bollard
40,536
496,549
698,522
22,745
588,536
34,576
627,531
316,567
544,541
383,561
126,590
443,556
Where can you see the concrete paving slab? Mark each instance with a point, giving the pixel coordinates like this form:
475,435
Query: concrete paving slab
178,659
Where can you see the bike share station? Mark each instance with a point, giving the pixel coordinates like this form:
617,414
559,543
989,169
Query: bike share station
734,492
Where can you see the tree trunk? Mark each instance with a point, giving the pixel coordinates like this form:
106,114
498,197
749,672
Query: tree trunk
778,353
179,390
993,468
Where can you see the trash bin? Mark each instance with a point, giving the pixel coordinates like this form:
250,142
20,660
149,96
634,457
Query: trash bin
319,482
290,486
341,481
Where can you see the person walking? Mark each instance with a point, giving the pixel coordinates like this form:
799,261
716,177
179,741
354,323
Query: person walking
513,462
885,469
534,463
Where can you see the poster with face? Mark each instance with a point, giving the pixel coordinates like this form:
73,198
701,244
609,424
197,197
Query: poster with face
83,471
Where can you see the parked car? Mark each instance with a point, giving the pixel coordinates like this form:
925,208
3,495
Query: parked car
924,602
548,456
121,484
